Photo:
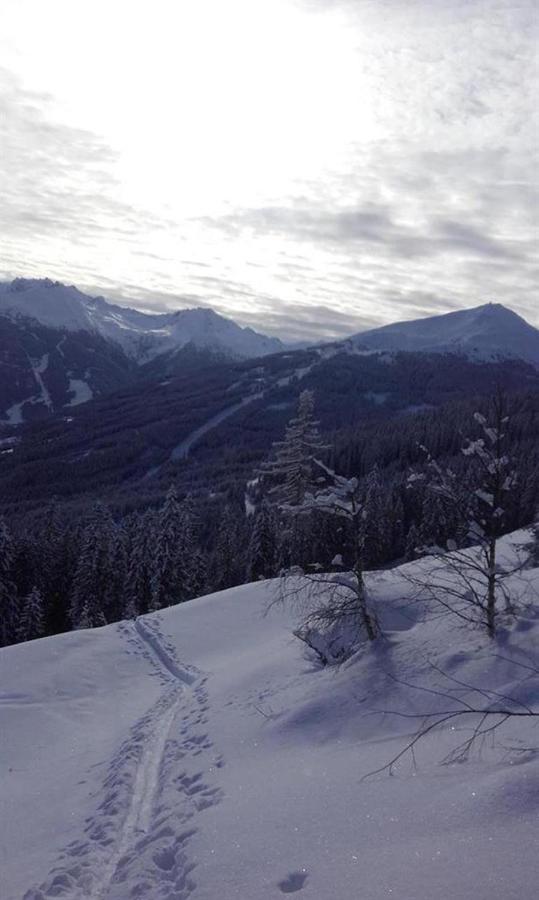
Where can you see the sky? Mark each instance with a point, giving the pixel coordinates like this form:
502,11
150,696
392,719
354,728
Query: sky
310,168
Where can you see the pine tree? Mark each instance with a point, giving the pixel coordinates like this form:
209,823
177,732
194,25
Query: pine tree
263,545
227,560
92,576
376,524
31,621
189,561
171,544
138,583
341,498
9,611
397,547
114,599
199,575
292,469
413,542
55,569
433,531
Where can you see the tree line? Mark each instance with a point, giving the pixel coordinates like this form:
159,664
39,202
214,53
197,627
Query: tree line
59,572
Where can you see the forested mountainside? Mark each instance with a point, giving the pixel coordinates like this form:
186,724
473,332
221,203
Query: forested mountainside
209,427
100,544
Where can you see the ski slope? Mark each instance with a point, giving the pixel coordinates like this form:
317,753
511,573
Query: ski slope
199,753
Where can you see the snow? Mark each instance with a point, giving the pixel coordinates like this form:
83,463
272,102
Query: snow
184,447
51,304
297,375
484,332
182,450
39,367
200,753
13,415
81,390
142,335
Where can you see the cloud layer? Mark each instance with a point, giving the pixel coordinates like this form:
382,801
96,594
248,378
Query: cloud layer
419,199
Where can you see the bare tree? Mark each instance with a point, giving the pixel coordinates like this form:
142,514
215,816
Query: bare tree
460,701
472,583
336,607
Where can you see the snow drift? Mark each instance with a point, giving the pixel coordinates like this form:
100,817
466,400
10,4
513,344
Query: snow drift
200,753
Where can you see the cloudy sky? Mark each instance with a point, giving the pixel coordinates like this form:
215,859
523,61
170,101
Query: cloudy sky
308,167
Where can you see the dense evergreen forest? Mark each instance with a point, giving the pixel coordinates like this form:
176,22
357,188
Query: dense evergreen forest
70,565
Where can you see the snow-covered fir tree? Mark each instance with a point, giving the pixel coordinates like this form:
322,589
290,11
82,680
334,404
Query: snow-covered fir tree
413,543
92,575
191,569
168,571
376,523
9,609
342,499
137,596
117,566
227,564
262,554
292,470
31,620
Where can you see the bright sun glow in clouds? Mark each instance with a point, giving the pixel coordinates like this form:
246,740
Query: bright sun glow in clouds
204,102
308,166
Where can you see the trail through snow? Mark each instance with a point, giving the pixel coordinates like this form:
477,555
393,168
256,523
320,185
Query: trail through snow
137,836
182,450
248,773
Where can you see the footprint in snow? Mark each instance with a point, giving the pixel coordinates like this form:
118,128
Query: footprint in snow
293,882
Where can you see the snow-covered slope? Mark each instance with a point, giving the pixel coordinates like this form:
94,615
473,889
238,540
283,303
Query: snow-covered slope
141,335
197,753
484,332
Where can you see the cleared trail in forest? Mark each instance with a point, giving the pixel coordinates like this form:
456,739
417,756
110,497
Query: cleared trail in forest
183,449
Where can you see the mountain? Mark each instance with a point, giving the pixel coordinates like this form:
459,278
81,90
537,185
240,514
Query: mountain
59,347
202,752
208,428
485,332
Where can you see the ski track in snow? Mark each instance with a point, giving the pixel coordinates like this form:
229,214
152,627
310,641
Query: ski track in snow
135,843
39,367
14,415
182,450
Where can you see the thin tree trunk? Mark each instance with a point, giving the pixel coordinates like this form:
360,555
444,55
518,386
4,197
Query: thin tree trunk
491,588
367,620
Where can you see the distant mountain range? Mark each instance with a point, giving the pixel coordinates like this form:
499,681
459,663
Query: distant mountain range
60,347
486,332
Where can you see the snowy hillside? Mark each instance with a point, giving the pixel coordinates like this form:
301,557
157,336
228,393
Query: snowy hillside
141,335
199,753
484,332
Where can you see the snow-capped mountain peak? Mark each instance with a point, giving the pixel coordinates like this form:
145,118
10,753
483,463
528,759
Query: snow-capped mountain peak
484,332
60,347
141,335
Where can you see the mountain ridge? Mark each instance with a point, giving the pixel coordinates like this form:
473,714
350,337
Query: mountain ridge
483,332
60,347
141,335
